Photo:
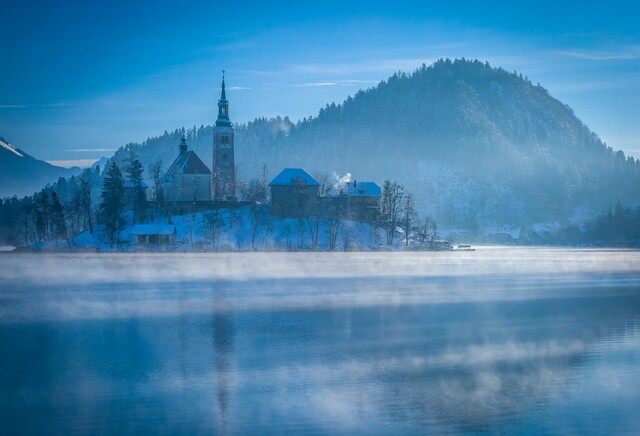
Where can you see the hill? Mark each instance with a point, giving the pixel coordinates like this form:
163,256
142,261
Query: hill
22,174
478,146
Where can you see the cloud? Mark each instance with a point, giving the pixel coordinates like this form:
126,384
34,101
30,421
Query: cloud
25,106
376,66
626,53
314,84
82,163
90,150
321,83
238,88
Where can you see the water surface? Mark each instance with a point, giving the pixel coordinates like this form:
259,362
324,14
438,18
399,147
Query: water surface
500,340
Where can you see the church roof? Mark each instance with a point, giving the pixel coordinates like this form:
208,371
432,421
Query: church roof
293,176
187,163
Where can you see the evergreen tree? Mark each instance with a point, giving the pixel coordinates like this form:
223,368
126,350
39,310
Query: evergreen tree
134,176
111,205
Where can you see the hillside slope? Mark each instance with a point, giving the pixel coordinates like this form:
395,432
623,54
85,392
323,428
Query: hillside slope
22,174
478,146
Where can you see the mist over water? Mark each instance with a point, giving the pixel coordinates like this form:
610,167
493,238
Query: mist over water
500,340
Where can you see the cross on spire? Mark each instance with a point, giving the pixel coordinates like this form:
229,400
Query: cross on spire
223,106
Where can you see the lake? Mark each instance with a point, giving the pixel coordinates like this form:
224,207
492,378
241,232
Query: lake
500,340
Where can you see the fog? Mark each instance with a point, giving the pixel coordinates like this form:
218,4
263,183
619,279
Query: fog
501,340
79,286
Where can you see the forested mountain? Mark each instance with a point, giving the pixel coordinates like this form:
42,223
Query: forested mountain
21,174
476,145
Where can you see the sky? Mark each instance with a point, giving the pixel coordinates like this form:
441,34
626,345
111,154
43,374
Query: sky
80,79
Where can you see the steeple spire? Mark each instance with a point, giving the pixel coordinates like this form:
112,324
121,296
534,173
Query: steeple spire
223,96
223,107
183,145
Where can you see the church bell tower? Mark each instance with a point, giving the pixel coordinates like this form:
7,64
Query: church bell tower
224,177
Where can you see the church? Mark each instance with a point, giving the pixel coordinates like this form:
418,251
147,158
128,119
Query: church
188,178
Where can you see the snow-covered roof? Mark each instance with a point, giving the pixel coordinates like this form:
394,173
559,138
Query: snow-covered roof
364,189
294,176
153,229
187,163
130,185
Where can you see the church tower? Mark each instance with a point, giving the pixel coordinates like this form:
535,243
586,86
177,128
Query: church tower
224,177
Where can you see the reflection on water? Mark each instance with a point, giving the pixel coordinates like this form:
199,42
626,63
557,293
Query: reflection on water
508,341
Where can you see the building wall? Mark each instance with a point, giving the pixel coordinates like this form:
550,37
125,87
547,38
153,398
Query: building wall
187,187
223,167
361,208
294,201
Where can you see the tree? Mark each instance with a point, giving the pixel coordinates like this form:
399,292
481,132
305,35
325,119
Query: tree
427,233
392,195
42,216
409,216
111,205
134,177
83,198
155,169
57,217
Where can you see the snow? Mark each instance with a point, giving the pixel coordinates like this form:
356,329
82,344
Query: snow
11,148
289,176
234,231
153,229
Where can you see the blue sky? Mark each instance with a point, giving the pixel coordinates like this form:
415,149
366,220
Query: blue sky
79,79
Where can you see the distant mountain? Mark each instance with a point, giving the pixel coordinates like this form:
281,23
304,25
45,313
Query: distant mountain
477,146
21,174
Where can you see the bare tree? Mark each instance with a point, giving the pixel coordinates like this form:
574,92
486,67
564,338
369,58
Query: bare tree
409,216
392,196
85,202
155,169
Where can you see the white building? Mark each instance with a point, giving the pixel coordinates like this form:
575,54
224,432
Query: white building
187,179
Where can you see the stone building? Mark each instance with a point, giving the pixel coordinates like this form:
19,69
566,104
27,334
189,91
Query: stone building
354,200
187,179
223,168
294,193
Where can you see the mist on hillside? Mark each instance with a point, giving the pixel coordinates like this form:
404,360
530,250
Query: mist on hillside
477,146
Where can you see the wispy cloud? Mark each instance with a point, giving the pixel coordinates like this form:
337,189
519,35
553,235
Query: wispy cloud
82,163
26,106
321,83
239,88
376,66
313,84
626,53
91,150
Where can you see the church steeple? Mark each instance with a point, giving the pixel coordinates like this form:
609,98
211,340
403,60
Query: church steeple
223,107
183,145
223,168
